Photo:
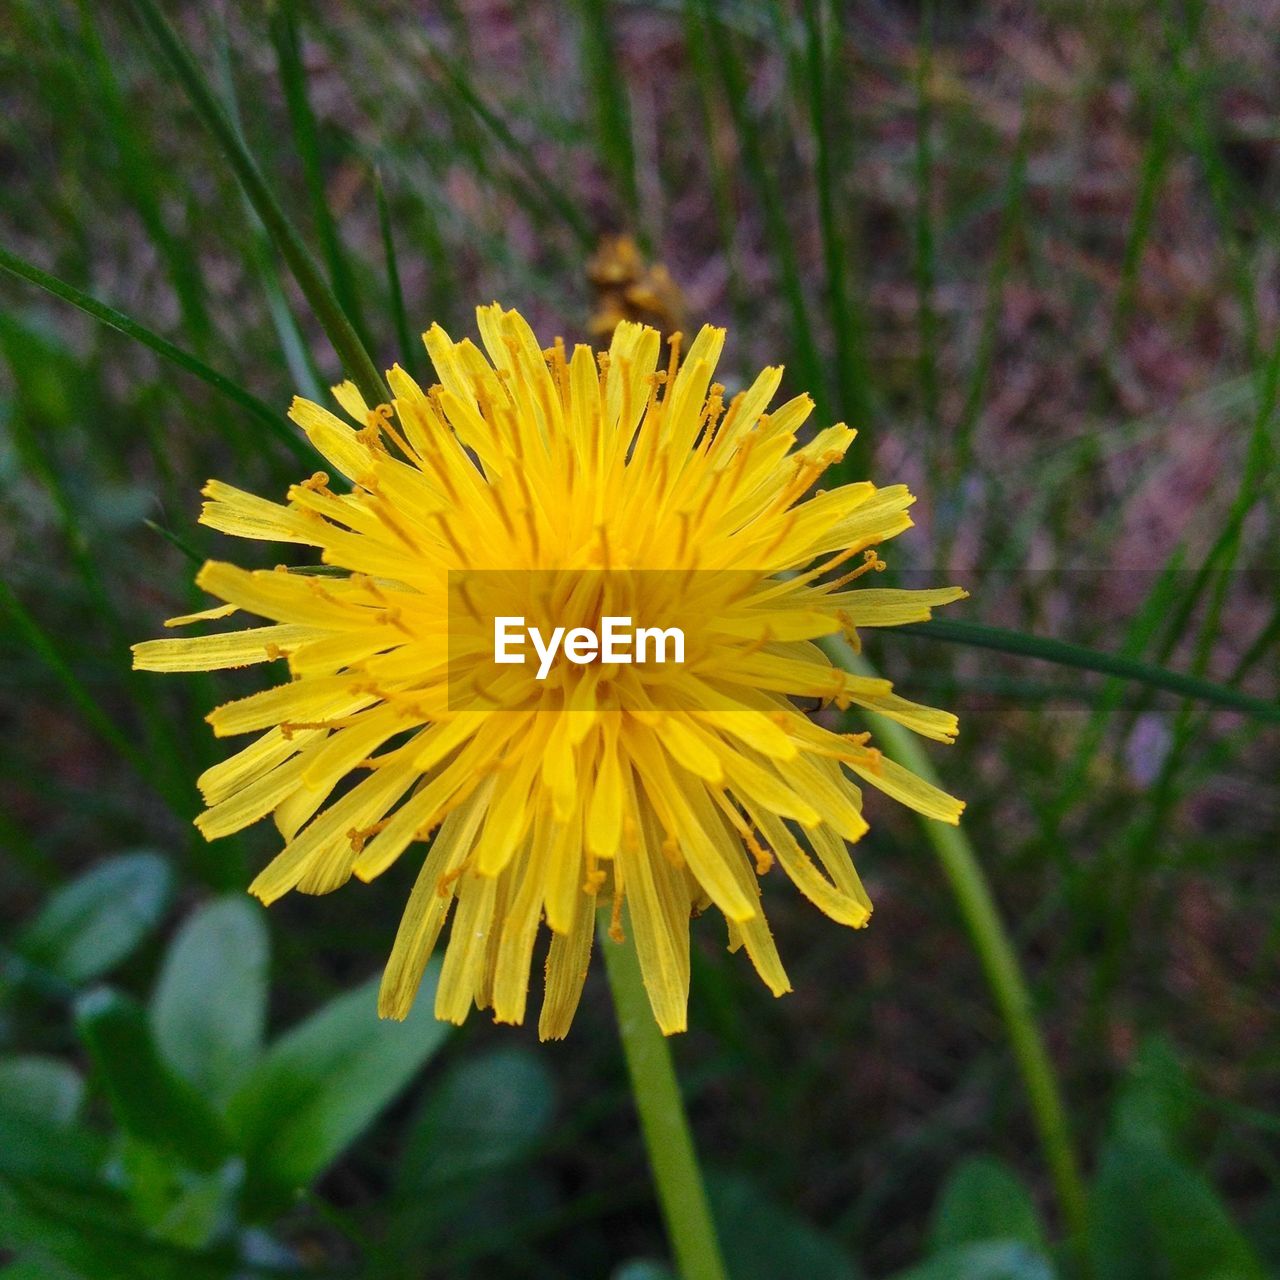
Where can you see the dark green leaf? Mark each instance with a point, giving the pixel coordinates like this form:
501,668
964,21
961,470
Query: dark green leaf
485,1114
32,1146
762,1240
34,1267
149,1100
44,1088
209,1009
1154,1218
985,1200
1155,1106
321,1084
93,923
90,1230
988,1260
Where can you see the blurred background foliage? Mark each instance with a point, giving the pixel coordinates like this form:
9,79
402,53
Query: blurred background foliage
1031,252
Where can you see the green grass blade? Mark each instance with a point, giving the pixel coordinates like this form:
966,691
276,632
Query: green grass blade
612,113
853,401
763,178
408,356
117,320
567,211
978,635
283,26
1011,206
30,631
925,264
139,179
1154,164
346,341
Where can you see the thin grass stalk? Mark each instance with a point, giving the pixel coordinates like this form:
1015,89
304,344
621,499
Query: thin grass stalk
1083,658
283,27
853,402
261,411
612,112
764,179
925,258
138,177
342,334
408,357
38,641
567,210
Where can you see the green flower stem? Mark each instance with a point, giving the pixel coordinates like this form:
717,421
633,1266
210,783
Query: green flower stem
663,1122
346,341
999,962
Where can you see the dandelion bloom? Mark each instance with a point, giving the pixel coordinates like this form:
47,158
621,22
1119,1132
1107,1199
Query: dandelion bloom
661,788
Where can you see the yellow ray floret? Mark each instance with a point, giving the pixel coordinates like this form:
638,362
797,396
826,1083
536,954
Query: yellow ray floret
578,483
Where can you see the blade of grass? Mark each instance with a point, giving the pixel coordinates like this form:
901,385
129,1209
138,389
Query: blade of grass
612,112
569,213
162,743
701,59
261,259
408,356
925,263
346,341
853,401
1154,163
1011,206
1215,571
1137,636
117,320
764,179
138,177
283,27
30,631
980,636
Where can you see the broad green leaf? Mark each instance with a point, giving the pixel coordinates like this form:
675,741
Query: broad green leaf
44,1088
34,1267
1155,1218
94,922
205,1210
1156,1104
176,1203
32,1146
322,1084
149,1101
485,1114
209,1008
89,1231
763,1241
984,1260
985,1200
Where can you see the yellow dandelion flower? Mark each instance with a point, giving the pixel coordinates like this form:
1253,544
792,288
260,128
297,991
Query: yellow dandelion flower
562,487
